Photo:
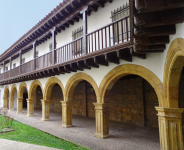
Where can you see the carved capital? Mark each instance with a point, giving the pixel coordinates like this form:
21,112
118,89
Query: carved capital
84,9
139,21
53,30
138,32
140,4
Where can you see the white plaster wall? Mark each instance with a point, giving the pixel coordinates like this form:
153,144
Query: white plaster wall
102,16
44,47
17,61
28,55
65,36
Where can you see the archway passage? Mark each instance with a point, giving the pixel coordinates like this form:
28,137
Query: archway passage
38,97
83,98
6,98
13,98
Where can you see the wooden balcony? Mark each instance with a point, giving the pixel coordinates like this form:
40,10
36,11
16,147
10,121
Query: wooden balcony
112,37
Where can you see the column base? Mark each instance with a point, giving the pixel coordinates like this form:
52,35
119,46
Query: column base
19,112
30,115
66,126
11,110
45,119
101,136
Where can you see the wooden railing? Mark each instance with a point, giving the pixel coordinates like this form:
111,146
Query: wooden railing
69,51
44,61
6,74
15,71
110,35
115,33
27,67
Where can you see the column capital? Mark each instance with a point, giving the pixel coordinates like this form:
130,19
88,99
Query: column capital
84,9
34,42
45,101
30,100
100,106
20,99
66,103
53,30
169,112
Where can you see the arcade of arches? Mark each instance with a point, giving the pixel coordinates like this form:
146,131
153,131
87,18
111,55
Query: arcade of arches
129,94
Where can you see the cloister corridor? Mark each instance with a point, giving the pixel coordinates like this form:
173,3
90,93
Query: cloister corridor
123,136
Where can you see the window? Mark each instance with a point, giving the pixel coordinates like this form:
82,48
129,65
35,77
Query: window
50,47
76,46
37,53
77,33
6,68
23,60
14,65
117,14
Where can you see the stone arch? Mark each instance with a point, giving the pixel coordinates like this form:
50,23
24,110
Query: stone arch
74,80
32,89
21,89
12,92
114,75
5,97
49,85
172,72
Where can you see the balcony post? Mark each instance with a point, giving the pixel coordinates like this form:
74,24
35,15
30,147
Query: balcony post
53,45
3,69
85,25
34,55
20,70
10,67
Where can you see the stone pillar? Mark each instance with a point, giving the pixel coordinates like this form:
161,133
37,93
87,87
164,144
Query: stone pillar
66,114
11,104
30,107
5,103
19,105
102,120
170,128
45,110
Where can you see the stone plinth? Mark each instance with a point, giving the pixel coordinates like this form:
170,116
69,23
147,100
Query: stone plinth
170,128
30,107
45,110
19,105
66,114
102,120
11,104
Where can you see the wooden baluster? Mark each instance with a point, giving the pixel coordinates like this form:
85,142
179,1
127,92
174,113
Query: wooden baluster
98,40
81,47
105,37
113,34
95,41
92,41
89,44
117,33
127,27
109,36
102,37
122,31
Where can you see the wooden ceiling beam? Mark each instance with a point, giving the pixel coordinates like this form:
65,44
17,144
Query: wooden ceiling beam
100,4
143,6
149,47
82,65
155,31
124,55
160,18
91,63
100,60
156,40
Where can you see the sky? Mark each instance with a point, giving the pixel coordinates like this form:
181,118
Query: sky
19,16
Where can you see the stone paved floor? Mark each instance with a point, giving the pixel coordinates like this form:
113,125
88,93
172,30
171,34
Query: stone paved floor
13,145
123,136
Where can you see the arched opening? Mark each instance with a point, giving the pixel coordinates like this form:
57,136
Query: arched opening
25,97
132,102
35,96
6,98
83,98
13,98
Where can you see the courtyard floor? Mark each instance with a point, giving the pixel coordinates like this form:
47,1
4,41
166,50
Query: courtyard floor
123,136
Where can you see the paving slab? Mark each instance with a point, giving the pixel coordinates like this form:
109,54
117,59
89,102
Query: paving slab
123,136
13,145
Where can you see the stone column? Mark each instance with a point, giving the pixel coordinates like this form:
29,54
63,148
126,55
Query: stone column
19,105
66,114
5,103
30,107
11,104
170,128
45,110
102,120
